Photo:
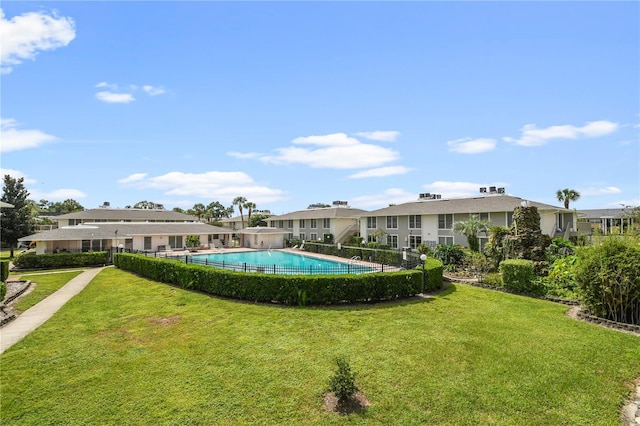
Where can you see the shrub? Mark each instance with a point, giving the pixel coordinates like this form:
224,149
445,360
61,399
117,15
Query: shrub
608,276
493,279
449,254
343,383
3,290
561,281
62,260
475,263
559,248
4,270
517,275
193,241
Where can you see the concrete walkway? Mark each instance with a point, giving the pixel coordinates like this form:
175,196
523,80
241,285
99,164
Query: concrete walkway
38,314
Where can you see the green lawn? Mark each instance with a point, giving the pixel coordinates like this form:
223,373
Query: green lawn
43,286
131,351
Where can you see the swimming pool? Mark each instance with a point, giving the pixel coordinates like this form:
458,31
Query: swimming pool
280,262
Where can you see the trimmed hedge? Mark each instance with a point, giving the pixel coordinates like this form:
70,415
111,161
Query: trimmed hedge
61,260
4,270
286,289
517,275
3,290
433,274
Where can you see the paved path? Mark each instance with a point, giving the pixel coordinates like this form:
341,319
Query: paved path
35,316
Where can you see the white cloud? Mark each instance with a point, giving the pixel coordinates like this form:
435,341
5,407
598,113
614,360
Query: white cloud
119,95
153,91
115,98
380,135
333,151
223,186
24,36
110,86
244,155
458,189
14,139
532,136
389,196
58,194
471,146
600,191
136,177
381,172
17,174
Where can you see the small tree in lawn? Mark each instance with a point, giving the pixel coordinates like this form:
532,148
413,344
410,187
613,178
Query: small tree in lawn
343,383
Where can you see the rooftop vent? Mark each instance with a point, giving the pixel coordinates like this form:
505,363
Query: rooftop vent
483,189
500,190
105,204
340,203
429,196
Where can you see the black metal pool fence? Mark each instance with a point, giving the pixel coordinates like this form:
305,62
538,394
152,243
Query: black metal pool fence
359,261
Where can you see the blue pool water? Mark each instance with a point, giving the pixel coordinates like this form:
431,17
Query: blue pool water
279,262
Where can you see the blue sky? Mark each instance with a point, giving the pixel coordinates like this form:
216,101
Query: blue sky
293,103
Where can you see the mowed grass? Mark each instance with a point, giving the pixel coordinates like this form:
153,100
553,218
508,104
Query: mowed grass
43,286
131,351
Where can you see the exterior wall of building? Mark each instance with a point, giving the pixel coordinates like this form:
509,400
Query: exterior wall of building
264,241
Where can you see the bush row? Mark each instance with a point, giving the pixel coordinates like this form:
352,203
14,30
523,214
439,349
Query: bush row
518,276
61,260
286,289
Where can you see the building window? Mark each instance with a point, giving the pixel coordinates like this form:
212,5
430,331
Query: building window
314,223
415,241
147,243
372,222
445,221
445,240
392,222
290,225
301,223
326,223
415,221
509,218
392,240
281,224
313,236
175,241
303,236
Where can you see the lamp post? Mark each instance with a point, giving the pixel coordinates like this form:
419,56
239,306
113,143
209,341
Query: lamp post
423,259
362,249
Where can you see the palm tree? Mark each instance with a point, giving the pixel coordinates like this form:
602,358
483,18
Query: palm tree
566,195
470,229
198,210
250,207
239,201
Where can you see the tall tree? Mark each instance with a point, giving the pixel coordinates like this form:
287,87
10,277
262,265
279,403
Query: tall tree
66,206
567,195
216,211
471,228
198,210
239,201
17,222
250,206
148,205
